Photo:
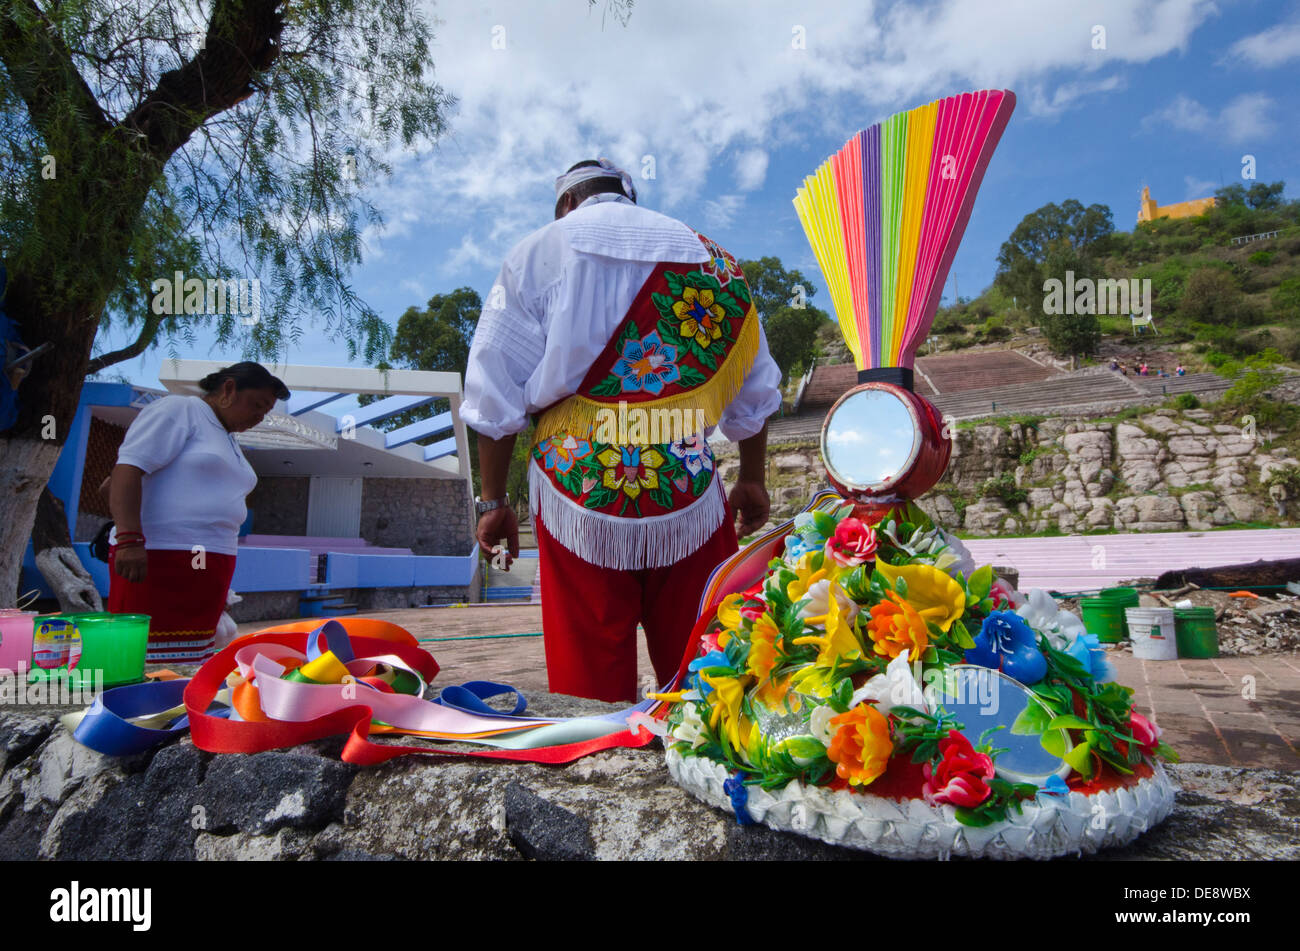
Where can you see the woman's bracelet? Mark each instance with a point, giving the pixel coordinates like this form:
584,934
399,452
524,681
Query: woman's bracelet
129,544
131,536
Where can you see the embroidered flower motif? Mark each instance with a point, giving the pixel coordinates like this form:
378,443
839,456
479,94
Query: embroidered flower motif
647,364
700,315
721,264
694,454
560,453
630,468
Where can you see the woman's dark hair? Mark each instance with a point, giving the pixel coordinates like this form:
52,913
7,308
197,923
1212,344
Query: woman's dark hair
247,376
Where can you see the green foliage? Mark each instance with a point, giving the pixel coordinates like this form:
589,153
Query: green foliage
1072,334
1262,258
1286,299
1186,401
791,323
1049,241
1003,487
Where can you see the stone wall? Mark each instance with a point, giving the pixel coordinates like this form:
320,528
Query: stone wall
1164,471
428,516
279,505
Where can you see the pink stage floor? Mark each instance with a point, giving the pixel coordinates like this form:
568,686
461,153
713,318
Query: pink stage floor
1089,562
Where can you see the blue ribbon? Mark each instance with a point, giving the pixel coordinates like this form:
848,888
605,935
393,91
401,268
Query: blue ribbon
105,727
469,696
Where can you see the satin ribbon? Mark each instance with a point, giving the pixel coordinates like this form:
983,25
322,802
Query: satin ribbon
289,687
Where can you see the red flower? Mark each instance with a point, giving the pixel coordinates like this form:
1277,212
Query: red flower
853,543
1144,731
1005,597
960,778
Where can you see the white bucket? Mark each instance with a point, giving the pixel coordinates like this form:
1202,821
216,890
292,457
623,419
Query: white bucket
1152,630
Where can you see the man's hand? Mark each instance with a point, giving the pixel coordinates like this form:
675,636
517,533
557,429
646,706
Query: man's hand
131,563
751,504
496,525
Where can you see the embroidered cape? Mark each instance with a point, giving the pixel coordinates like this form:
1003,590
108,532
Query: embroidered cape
621,474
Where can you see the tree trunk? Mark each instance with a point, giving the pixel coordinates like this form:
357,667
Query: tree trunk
58,561
26,467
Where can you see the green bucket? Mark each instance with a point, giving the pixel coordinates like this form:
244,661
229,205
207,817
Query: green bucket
1121,598
1196,632
1105,618
112,643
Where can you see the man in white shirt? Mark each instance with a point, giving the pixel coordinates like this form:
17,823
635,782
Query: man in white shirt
605,323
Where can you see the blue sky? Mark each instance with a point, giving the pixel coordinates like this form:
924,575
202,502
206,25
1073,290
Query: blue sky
734,103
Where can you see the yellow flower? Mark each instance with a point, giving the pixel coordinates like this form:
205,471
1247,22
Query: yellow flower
729,611
699,315
839,641
630,468
805,577
931,593
762,660
724,703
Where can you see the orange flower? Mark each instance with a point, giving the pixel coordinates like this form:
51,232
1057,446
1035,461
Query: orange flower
861,746
895,626
762,661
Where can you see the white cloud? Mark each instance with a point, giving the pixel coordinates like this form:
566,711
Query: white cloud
751,169
708,87
1246,117
1198,188
1273,47
1183,113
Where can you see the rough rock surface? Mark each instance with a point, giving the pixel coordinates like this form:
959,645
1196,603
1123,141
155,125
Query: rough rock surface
61,801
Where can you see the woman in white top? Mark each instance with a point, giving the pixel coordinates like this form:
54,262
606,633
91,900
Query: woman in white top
177,497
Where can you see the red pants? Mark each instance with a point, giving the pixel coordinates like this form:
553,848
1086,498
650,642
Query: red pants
184,603
590,614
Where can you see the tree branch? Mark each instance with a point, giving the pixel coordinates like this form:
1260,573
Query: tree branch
148,331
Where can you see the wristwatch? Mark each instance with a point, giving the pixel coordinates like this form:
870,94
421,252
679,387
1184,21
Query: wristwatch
481,506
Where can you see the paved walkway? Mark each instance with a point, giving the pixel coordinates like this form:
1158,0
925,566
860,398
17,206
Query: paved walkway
1233,711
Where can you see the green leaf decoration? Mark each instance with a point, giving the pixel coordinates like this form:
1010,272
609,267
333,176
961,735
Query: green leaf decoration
960,636
729,304
971,817
980,581
740,289
1054,741
664,304
900,585
841,694
610,386
676,282
824,524
803,747
705,358
1032,721
701,482
630,332
1069,721
1080,759
691,377
1166,752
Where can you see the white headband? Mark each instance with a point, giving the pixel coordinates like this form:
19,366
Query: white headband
604,169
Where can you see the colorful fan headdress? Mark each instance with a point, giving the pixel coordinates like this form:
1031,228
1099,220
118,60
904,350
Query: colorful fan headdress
886,213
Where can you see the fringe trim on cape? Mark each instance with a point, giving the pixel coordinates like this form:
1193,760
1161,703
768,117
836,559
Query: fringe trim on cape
611,541
581,415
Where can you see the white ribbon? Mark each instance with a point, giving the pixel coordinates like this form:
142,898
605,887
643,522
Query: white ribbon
604,169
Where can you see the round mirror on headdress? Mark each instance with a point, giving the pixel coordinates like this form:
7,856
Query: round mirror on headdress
884,216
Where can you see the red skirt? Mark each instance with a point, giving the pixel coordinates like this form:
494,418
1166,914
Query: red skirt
183,594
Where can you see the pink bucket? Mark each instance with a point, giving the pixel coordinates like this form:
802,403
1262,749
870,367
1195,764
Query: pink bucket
16,629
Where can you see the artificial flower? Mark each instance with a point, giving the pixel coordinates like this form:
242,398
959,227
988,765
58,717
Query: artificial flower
819,723
1004,596
956,559
819,596
796,547
724,707
1042,613
931,593
896,626
1087,650
853,543
805,577
838,642
647,364
960,777
700,316
1146,733
896,687
1006,643
691,729
762,660
1053,786
860,746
